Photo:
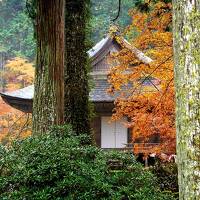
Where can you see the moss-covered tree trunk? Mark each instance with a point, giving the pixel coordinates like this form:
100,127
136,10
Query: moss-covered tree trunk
48,105
76,77
187,78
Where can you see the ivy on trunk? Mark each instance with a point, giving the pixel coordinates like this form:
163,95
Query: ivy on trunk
76,62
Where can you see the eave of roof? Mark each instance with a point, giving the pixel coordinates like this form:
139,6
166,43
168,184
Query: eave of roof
20,101
24,105
24,93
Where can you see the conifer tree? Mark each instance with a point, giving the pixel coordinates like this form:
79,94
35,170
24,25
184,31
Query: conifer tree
48,105
76,62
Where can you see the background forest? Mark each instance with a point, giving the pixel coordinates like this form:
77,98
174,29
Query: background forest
16,30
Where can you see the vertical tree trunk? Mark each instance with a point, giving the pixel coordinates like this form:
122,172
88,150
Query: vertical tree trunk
48,106
76,78
186,22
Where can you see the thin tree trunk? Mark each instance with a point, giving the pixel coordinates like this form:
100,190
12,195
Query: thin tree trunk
186,22
76,73
48,105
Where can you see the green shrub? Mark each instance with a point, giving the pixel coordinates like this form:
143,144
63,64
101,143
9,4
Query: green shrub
167,176
59,165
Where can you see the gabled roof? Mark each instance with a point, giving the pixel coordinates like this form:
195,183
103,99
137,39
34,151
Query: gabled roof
22,99
99,47
99,92
102,49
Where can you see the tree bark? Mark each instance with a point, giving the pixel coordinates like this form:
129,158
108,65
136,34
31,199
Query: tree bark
186,23
48,105
76,62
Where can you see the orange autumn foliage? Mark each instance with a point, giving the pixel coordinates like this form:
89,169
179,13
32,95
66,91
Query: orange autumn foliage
4,108
14,125
148,100
18,73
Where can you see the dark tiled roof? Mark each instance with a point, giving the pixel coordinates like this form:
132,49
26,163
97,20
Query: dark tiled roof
99,92
23,99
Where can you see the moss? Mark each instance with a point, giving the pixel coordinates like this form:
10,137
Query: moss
187,59
77,108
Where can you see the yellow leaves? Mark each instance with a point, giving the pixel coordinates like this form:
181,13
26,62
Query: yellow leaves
162,6
13,86
20,65
138,20
113,30
120,79
19,70
13,124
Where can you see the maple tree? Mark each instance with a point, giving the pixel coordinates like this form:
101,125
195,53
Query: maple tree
147,90
14,125
18,72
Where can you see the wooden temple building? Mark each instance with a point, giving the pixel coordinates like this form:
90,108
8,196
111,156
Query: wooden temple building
108,134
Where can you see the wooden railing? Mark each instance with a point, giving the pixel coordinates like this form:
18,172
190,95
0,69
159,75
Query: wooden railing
142,147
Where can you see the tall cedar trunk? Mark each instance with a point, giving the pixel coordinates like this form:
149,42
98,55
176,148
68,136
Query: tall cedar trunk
76,78
187,77
48,106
